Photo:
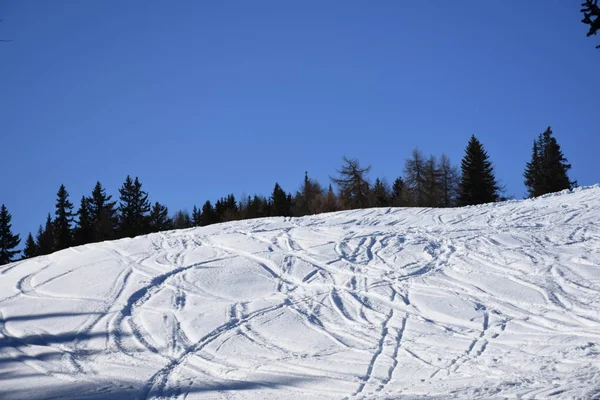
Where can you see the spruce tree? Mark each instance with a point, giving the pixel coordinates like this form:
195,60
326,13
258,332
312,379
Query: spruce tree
591,17
159,218
546,172
181,220
209,215
84,229
134,208
8,240
379,194
477,183
329,202
280,202
399,195
352,184
308,198
196,216
103,214
45,237
63,220
30,249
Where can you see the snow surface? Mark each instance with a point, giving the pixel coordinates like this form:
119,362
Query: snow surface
492,301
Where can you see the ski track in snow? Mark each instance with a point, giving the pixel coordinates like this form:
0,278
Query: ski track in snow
488,301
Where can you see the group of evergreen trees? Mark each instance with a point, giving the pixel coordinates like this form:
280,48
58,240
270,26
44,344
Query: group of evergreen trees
427,182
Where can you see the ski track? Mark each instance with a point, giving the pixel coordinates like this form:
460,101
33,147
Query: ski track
358,304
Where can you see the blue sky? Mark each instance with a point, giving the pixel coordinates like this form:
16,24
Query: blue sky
200,99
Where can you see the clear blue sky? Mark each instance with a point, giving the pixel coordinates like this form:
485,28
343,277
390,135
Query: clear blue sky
202,98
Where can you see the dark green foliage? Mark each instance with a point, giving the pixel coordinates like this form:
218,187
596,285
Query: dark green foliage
181,220
8,241
448,180
255,207
103,214
546,172
280,202
352,184
399,195
83,231
196,216
227,209
477,184
45,237
209,215
308,198
134,208
31,249
329,202
159,218
414,172
591,17
380,196
63,233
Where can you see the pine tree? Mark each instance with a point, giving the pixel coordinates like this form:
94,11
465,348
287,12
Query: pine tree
31,249
63,220
181,220
227,209
449,179
8,241
379,194
546,172
45,237
209,215
329,202
591,17
134,208
280,203
352,184
414,172
308,198
477,183
103,214
399,195
84,230
196,216
159,218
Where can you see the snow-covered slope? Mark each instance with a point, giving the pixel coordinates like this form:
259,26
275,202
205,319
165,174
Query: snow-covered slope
491,301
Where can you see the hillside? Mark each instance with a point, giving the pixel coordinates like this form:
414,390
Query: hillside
491,301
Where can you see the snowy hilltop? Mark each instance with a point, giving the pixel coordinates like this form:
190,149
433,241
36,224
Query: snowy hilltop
492,301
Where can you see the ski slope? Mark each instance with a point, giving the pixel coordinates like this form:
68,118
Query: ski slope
491,301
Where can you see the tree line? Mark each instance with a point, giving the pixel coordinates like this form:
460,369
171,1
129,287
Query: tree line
427,181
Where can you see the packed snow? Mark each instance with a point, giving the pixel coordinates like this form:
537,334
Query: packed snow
491,301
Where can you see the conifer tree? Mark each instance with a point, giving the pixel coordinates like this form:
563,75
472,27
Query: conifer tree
546,172
414,172
196,216
209,215
308,198
159,218
280,202
30,249
227,209
379,194
181,220
45,237
329,202
8,240
591,17
477,183
84,229
352,184
399,195
103,214
134,208
63,235
449,179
